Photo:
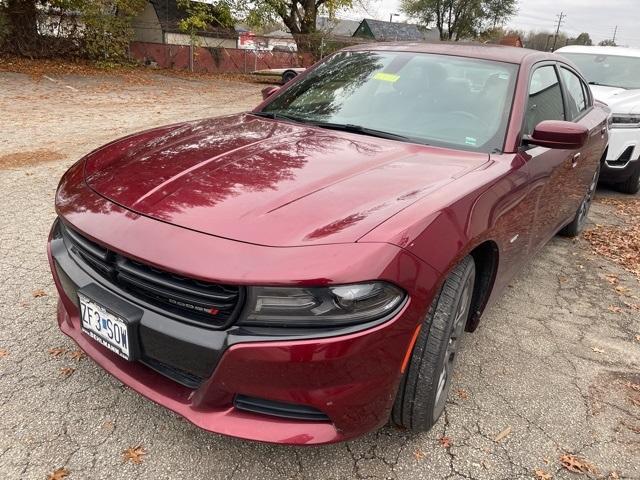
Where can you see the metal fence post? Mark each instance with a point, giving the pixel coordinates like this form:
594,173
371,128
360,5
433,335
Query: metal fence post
191,56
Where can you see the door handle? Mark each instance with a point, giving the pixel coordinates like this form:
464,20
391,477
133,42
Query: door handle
575,159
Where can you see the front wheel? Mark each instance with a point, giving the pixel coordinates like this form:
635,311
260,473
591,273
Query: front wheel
424,388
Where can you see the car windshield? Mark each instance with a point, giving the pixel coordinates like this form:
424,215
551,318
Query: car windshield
434,99
608,70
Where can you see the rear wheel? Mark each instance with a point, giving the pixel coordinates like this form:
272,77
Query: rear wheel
580,220
288,76
424,388
631,185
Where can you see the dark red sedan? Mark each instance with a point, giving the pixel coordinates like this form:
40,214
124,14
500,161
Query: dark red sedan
302,273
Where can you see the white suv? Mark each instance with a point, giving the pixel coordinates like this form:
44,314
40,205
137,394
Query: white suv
614,76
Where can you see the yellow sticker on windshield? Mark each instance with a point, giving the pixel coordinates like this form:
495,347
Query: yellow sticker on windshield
386,77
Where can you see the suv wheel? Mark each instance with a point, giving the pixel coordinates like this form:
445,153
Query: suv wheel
632,184
424,388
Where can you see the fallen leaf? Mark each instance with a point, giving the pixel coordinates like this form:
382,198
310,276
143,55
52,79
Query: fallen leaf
612,279
542,474
57,351
66,371
419,454
622,290
597,350
58,474
614,309
614,475
503,434
632,386
108,425
3,352
77,355
576,464
462,393
134,454
637,338
486,465
445,442
38,293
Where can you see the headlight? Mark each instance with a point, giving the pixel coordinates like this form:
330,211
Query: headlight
321,306
626,121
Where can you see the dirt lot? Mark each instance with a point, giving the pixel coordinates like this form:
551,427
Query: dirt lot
554,368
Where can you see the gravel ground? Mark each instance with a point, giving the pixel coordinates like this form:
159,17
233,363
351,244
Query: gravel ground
552,363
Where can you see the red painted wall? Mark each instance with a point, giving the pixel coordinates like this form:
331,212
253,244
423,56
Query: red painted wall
216,60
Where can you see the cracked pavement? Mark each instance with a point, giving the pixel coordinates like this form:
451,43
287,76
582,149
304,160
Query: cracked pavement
550,360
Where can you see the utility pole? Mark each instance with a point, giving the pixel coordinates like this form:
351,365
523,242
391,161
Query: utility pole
615,32
561,18
391,15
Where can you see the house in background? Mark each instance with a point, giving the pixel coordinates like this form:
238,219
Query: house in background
382,31
158,23
337,27
512,41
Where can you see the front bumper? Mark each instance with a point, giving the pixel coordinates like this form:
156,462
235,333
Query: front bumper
349,376
623,155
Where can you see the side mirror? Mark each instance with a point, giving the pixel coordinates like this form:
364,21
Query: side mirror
559,134
268,91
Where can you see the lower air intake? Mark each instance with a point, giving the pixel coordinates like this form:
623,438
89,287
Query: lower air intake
279,409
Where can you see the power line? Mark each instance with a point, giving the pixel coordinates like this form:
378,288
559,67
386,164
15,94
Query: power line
555,37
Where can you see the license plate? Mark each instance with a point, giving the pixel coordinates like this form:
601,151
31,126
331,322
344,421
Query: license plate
104,327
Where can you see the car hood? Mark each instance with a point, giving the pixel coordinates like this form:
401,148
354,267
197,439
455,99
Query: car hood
269,182
619,100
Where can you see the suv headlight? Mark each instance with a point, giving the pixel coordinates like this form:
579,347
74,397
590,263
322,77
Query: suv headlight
321,306
626,120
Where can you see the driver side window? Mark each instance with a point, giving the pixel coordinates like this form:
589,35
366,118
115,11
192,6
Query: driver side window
545,98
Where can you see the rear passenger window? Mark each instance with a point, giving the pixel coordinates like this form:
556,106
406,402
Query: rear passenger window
576,97
545,98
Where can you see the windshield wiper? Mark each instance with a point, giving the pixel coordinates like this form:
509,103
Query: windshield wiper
598,84
279,115
348,127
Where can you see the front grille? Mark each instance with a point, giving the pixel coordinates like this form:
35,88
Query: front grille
204,303
279,409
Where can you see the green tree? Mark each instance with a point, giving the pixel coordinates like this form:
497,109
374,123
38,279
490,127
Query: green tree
299,16
456,19
608,43
200,16
582,39
96,29
107,28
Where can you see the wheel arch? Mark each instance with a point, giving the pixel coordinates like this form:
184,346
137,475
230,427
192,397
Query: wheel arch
486,256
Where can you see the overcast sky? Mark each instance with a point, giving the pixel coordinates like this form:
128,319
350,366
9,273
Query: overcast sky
597,17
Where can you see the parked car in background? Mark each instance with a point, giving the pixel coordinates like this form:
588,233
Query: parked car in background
300,273
614,76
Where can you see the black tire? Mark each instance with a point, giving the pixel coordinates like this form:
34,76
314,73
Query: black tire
580,220
425,385
631,185
288,76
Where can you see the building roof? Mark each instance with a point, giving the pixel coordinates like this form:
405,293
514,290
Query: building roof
498,53
390,31
620,51
337,26
511,41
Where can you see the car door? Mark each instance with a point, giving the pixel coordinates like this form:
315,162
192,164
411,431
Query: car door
579,108
551,170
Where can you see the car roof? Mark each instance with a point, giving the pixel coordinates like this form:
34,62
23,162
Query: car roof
498,53
620,51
